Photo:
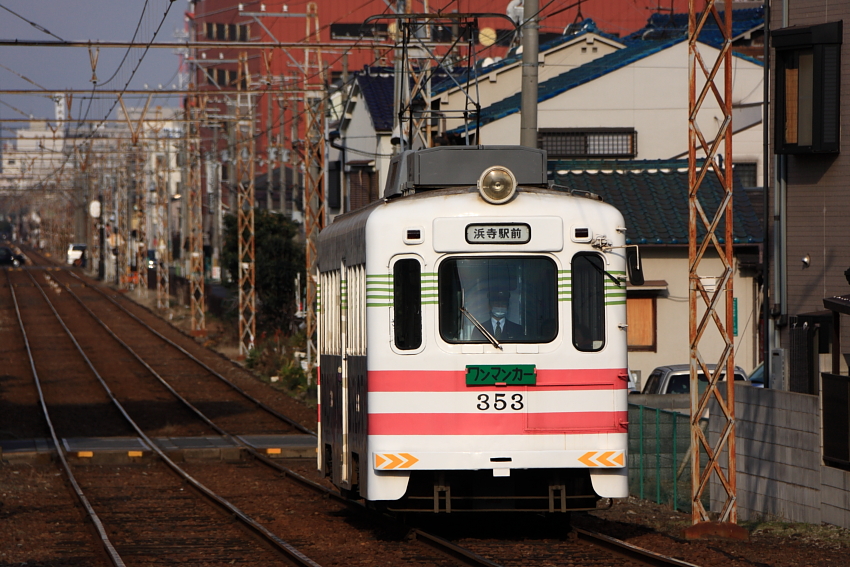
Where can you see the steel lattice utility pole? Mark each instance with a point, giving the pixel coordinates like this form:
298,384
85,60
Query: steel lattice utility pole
314,206
244,166
314,166
197,106
710,87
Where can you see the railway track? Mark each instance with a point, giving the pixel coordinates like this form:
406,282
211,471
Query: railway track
62,280
288,473
122,517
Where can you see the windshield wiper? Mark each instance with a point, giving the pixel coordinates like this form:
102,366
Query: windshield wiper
481,328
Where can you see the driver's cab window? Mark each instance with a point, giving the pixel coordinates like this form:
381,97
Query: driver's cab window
508,299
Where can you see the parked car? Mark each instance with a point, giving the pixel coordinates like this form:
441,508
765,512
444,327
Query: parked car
757,376
9,258
633,382
676,379
76,254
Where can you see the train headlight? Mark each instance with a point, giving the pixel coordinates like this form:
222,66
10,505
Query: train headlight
497,185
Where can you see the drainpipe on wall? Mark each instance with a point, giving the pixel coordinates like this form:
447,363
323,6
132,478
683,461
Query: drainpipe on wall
333,138
767,320
780,247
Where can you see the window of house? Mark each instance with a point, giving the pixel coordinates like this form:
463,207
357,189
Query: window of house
642,330
225,79
564,143
746,173
808,72
362,187
226,32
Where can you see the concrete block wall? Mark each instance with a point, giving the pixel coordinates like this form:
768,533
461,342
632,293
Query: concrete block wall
780,472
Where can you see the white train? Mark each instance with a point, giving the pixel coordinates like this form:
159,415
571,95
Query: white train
472,339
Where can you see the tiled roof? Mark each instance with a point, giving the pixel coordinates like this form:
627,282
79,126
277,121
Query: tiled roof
662,26
377,87
377,84
578,76
653,198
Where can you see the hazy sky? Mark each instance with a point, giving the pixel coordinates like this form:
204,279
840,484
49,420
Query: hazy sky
56,69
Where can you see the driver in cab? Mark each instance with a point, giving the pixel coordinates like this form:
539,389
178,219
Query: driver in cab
498,324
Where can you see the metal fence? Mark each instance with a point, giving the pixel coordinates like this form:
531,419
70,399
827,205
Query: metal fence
660,457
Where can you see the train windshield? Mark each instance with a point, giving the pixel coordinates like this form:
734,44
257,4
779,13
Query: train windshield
514,299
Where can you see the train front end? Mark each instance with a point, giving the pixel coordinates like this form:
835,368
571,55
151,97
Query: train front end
477,360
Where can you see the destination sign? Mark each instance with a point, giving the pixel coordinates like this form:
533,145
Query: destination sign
503,233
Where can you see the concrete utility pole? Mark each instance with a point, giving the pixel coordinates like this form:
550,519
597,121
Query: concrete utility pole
530,49
162,230
710,88
141,200
401,88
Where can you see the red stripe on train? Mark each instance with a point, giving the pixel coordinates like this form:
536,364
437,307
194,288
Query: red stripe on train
455,380
518,423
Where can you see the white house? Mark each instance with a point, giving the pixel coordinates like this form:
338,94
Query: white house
502,79
632,104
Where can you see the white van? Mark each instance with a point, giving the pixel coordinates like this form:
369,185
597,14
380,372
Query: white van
76,254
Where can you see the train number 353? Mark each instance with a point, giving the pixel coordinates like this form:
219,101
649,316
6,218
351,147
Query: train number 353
500,402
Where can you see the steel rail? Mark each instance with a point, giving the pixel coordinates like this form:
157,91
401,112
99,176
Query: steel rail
111,552
456,552
464,556
285,548
289,473
254,400
629,551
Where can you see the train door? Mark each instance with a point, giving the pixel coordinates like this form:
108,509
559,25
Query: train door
331,344
353,391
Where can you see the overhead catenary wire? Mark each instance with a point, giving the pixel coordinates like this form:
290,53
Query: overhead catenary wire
295,115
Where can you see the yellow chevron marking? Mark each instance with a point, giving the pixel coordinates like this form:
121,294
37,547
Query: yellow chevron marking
603,459
619,459
411,460
586,459
395,461
379,460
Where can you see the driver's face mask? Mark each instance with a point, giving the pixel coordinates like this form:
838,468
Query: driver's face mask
499,311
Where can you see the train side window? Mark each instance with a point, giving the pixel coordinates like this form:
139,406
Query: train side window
407,304
588,302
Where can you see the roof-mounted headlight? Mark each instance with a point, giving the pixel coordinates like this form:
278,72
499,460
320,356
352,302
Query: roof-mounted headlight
497,185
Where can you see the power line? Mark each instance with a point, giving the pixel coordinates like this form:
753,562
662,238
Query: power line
33,24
